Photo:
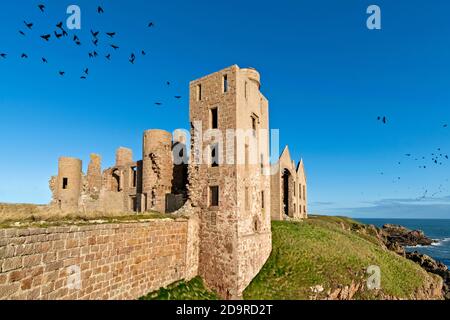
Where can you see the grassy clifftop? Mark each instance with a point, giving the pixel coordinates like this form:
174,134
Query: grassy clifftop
330,253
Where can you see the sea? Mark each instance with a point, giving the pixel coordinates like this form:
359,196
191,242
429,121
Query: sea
436,229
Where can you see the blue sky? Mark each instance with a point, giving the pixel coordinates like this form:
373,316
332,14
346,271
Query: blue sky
326,75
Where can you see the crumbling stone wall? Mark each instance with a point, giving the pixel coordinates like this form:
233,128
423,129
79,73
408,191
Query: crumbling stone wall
114,261
157,168
297,189
237,225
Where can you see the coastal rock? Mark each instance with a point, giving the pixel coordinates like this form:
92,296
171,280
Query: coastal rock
396,235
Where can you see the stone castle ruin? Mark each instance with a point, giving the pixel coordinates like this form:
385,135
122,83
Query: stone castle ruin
232,197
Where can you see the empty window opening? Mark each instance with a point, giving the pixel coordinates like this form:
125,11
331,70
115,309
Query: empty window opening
245,90
214,118
65,183
213,196
247,156
262,164
134,176
215,155
304,192
225,83
262,199
199,92
300,190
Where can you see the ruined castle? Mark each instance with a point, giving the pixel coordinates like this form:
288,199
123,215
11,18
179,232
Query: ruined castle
228,185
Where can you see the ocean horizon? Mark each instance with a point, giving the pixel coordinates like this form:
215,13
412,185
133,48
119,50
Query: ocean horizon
436,229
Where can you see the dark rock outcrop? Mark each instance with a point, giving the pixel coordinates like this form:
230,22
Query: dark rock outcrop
396,235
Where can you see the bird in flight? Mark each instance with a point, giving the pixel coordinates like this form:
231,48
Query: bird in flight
158,103
143,53
95,42
61,73
59,25
83,77
383,119
95,34
108,56
58,35
3,55
177,97
100,10
151,24
111,34
445,125
46,36
168,83
21,32
86,71
29,25
114,47
24,56
95,54
41,7
132,58
44,60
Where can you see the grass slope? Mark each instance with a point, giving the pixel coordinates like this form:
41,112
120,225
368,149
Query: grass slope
325,251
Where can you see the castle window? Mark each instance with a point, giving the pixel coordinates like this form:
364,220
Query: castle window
225,83
65,183
245,90
215,155
304,192
134,176
262,199
300,191
262,164
247,156
199,92
213,196
214,118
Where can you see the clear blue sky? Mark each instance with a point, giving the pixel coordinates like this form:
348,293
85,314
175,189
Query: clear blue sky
326,75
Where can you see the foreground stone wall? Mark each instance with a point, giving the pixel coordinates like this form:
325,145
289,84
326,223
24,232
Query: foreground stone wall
114,261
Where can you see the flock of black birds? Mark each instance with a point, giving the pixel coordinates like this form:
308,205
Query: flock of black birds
60,32
436,158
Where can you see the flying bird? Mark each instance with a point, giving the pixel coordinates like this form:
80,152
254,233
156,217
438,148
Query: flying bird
29,25
445,125
41,7
143,53
59,25
86,71
24,56
108,56
75,38
58,35
46,37
132,58
83,78
111,34
158,103
114,47
95,42
100,10
21,32
91,55
151,24
95,34
44,60
177,97
168,83
95,54
3,55
61,73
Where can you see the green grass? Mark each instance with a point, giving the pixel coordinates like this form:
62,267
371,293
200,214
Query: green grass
192,290
328,251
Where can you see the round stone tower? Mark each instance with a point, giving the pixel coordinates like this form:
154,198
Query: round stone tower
69,183
157,169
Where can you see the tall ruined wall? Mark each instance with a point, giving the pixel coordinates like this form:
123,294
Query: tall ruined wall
235,239
157,169
94,176
114,261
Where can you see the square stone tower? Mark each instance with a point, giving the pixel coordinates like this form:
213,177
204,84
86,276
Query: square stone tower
228,177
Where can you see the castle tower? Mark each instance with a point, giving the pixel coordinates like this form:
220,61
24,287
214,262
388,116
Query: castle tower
156,169
230,152
68,184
